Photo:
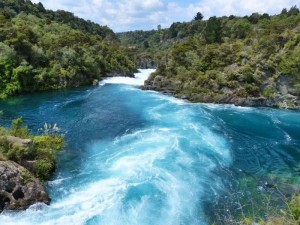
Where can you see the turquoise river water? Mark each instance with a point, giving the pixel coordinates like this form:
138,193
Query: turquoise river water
142,158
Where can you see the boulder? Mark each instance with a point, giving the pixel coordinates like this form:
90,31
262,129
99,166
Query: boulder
18,188
95,82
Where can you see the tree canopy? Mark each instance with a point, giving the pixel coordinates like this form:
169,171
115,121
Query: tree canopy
198,16
42,49
227,56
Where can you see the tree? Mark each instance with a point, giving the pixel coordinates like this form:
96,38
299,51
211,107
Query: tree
284,11
25,75
198,16
41,7
240,29
213,31
146,44
265,16
254,18
173,30
293,10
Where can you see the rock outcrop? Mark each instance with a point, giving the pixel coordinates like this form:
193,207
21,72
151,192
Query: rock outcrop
95,82
160,84
22,143
18,188
145,62
284,98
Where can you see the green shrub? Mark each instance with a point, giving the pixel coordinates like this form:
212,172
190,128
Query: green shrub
252,90
13,152
17,128
269,92
17,153
3,131
232,84
4,145
47,146
242,92
46,149
44,152
43,169
26,176
295,207
2,157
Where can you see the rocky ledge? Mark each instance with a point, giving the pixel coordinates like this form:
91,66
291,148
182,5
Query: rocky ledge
283,98
18,188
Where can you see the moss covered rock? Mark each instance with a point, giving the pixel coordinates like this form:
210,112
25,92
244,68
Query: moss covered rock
18,188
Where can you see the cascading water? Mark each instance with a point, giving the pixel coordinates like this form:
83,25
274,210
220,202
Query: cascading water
139,157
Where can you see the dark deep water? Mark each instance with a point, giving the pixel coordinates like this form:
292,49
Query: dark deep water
139,157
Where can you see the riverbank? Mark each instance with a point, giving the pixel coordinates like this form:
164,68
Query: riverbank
119,167
284,99
26,162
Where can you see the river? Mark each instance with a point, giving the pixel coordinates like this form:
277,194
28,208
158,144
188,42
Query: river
139,157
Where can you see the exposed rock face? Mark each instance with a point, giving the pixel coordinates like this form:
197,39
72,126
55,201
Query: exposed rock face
26,144
18,188
285,85
160,84
145,62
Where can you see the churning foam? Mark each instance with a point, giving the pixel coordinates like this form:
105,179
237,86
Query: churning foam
157,174
137,80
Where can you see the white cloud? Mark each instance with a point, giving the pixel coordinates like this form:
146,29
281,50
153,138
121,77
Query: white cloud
123,15
241,8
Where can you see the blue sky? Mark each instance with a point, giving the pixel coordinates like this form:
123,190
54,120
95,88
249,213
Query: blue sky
124,15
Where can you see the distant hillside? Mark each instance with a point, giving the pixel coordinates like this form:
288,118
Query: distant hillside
14,7
42,49
251,60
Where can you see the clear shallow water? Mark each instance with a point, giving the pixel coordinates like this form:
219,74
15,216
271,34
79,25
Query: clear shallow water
138,157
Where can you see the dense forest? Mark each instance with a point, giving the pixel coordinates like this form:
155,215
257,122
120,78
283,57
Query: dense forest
221,60
43,49
226,59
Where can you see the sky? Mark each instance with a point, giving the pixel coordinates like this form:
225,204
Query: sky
126,15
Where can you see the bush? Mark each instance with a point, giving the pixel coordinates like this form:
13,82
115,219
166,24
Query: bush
295,207
26,176
4,145
242,93
47,147
44,152
252,90
17,153
269,92
17,129
43,169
